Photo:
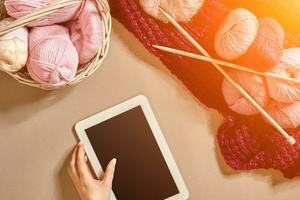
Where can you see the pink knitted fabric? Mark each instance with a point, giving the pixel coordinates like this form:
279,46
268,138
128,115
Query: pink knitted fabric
245,142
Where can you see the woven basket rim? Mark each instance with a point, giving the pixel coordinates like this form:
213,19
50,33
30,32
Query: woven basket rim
83,71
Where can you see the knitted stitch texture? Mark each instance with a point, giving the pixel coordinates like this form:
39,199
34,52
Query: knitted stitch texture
245,142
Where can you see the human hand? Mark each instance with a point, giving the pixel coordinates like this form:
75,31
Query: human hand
86,185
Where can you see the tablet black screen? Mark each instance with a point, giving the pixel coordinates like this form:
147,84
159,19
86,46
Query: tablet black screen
141,171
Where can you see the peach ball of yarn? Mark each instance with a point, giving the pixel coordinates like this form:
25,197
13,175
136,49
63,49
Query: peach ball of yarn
13,48
20,8
285,114
53,60
180,10
255,87
282,91
266,50
87,32
291,57
236,34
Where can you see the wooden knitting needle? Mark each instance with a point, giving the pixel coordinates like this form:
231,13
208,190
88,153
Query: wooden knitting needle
224,63
289,138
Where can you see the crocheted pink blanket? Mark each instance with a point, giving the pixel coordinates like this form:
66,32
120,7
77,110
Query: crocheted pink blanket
245,142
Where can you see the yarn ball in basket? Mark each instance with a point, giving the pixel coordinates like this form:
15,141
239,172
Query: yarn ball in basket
87,32
287,115
267,48
280,90
53,59
180,10
13,48
236,34
254,86
20,8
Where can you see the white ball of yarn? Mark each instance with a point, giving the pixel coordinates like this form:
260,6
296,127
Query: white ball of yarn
254,86
13,48
288,67
180,10
236,34
286,115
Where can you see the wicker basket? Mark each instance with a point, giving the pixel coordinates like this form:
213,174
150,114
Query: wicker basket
83,71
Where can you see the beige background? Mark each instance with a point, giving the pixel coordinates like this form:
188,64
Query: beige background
36,131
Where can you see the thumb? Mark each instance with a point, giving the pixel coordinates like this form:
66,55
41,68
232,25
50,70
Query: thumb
109,173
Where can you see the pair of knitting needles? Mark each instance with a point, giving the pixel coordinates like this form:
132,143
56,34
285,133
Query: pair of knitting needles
225,64
216,64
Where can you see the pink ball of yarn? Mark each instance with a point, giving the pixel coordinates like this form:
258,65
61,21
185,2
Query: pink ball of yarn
289,66
87,32
20,8
286,115
255,87
53,60
266,50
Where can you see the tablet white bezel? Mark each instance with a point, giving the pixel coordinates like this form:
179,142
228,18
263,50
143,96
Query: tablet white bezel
140,100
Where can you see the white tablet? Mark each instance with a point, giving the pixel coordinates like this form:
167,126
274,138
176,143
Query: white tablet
145,168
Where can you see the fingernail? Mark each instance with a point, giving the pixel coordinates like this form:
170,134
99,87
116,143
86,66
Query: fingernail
85,158
114,161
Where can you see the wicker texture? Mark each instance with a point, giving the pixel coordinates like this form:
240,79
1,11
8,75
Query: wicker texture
83,71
